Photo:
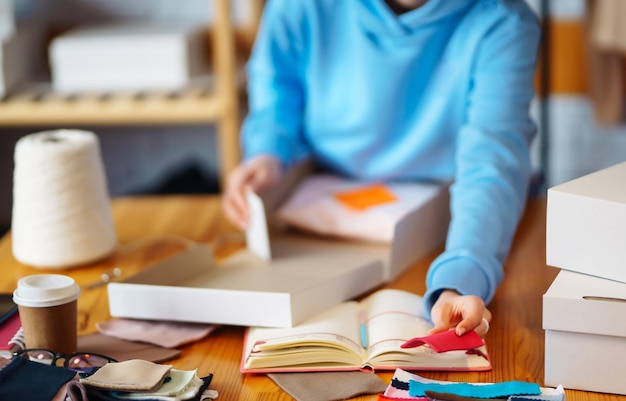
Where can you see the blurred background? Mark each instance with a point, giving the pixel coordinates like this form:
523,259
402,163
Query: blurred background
176,148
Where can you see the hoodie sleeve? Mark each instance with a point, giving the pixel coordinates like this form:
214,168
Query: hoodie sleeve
493,161
275,89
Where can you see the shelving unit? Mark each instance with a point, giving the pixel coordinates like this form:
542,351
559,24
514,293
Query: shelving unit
216,102
44,107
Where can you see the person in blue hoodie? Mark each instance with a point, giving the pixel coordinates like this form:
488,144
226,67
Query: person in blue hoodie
403,90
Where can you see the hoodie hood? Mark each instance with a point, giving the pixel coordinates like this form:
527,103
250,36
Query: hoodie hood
379,19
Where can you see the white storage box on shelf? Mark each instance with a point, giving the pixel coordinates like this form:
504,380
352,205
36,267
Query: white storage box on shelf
128,56
586,224
584,319
282,277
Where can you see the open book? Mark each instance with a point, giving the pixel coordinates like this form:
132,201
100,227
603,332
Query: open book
356,336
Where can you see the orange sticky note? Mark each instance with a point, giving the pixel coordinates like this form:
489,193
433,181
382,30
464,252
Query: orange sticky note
365,197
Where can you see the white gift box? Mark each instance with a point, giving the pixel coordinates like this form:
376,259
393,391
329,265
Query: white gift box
586,224
584,319
128,56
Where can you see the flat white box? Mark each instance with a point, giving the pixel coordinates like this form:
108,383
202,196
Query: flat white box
283,277
128,56
584,319
310,277
586,224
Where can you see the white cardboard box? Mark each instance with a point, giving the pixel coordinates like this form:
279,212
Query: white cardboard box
416,234
128,56
584,319
586,224
309,277
283,277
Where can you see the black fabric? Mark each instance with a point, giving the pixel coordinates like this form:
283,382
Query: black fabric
400,385
206,381
26,380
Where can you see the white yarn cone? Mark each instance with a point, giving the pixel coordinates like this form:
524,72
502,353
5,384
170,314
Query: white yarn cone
61,210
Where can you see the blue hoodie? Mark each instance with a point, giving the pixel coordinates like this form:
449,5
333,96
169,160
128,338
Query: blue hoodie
441,92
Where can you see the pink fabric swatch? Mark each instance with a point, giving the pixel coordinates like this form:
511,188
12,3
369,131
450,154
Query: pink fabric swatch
164,334
447,341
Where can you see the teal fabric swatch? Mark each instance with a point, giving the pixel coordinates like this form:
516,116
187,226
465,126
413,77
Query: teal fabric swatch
495,390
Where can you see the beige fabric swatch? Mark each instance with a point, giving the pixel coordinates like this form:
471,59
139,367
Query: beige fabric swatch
328,386
132,375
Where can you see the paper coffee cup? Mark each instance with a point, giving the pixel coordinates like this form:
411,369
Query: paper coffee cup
47,305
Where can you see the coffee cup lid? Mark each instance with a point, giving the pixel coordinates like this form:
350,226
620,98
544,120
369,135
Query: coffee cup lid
44,290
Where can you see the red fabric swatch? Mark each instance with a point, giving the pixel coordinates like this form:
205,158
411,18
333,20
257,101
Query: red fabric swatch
447,341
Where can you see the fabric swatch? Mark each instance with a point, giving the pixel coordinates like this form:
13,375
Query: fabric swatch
133,375
21,376
164,334
94,394
495,390
399,389
123,350
328,386
447,341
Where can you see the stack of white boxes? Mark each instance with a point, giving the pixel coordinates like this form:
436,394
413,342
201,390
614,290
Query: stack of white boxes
584,310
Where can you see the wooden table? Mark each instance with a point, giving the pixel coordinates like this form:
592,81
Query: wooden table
151,228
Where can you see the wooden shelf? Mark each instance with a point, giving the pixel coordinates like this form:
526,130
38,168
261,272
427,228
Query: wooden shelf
206,101
43,107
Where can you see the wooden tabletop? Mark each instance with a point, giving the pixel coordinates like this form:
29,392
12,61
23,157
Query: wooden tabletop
152,228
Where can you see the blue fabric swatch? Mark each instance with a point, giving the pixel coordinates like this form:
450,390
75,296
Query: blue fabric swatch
27,380
495,390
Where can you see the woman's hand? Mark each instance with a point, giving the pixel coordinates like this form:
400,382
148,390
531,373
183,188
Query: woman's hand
255,174
461,312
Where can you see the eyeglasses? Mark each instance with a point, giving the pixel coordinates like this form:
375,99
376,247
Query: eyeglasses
81,362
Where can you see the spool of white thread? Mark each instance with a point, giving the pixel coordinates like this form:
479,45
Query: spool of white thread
61,207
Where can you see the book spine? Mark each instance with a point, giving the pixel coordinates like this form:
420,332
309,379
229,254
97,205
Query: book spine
15,344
